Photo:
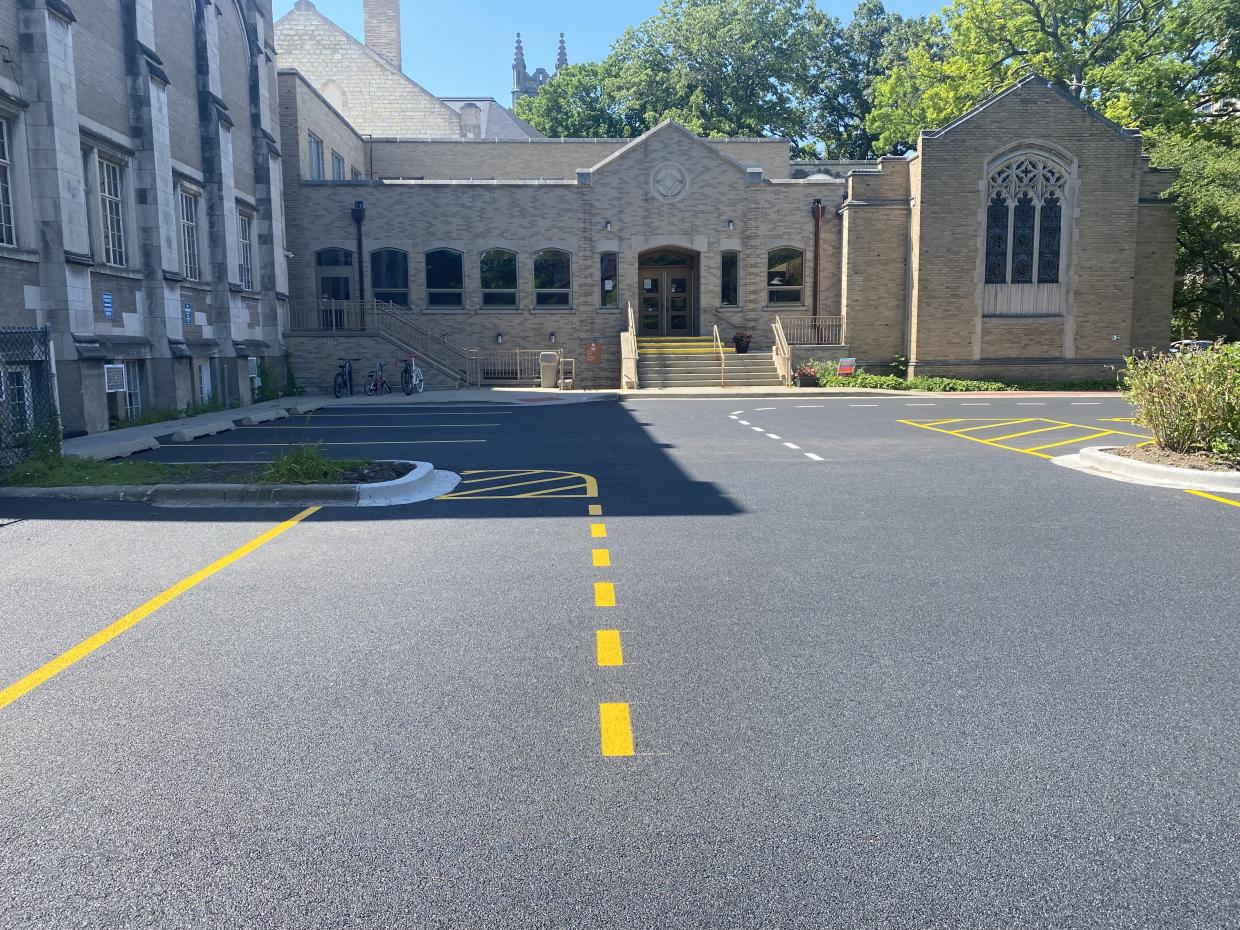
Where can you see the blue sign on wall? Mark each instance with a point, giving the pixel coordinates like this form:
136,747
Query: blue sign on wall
107,304
189,313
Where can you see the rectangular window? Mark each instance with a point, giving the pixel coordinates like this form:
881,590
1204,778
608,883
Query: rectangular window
112,211
133,390
357,175
729,290
609,296
337,166
245,251
316,158
189,236
8,234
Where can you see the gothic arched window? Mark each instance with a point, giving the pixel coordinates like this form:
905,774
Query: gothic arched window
1024,220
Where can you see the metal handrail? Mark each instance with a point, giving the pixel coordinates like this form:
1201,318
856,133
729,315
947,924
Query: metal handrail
629,352
719,349
782,353
815,331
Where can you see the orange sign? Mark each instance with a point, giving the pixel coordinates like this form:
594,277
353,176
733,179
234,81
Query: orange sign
594,352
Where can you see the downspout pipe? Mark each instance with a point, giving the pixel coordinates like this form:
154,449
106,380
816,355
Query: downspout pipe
359,216
818,211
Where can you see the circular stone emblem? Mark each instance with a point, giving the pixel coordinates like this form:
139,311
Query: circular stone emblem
668,182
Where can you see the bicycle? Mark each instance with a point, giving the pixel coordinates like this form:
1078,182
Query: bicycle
411,377
343,382
376,382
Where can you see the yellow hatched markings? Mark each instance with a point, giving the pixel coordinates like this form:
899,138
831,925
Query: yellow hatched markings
1037,425
1073,440
1028,432
993,425
522,483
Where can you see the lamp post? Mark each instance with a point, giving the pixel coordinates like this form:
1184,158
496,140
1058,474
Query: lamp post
359,216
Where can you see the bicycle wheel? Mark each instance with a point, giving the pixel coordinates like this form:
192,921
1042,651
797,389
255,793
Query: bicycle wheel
406,381
371,387
387,387
419,384
339,386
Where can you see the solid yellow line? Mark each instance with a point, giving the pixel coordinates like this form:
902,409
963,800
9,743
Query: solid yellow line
984,442
598,530
1028,432
498,475
944,422
604,594
969,429
596,510
602,558
1117,432
487,488
109,633
1215,497
615,730
1068,442
607,647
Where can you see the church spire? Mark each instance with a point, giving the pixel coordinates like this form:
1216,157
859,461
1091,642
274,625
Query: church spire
518,58
561,60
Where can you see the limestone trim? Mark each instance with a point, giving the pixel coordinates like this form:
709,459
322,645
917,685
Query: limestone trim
669,126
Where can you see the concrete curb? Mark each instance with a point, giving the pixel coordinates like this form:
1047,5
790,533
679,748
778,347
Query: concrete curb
1096,460
423,483
264,416
118,450
189,433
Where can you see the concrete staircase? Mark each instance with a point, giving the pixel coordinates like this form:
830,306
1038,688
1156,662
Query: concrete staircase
692,361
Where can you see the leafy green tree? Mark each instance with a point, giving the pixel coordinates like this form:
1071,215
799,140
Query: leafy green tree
582,101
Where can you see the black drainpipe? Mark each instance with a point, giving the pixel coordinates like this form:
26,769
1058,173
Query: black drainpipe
818,212
359,215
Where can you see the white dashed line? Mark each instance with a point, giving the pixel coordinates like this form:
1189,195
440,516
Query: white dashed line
1030,403
757,429
921,405
760,409
743,422
816,458
1086,403
863,405
792,445
732,416
814,406
987,404
735,412
772,435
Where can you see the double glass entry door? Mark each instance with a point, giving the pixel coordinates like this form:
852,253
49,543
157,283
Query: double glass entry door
667,304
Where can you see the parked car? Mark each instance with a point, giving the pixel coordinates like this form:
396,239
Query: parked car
1190,345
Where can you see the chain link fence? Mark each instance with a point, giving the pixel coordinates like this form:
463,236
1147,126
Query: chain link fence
29,422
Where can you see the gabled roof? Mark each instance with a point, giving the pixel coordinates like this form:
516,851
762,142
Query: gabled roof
498,122
1027,81
674,127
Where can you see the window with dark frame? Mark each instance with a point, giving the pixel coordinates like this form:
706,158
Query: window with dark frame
609,296
445,279
729,289
190,266
316,157
8,231
552,278
1024,220
112,211
785,275
337,166
389,276
498,271
245,251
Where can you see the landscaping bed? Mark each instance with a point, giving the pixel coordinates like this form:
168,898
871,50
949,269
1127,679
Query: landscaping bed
1154,455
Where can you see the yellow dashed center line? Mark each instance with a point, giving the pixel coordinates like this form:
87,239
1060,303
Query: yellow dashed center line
607,647
596,510
604,594
598,530
615,729
601,558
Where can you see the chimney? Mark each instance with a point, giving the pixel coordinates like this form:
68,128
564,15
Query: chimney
382,19
471,121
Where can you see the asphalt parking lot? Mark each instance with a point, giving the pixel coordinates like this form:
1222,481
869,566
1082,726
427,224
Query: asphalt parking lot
691,663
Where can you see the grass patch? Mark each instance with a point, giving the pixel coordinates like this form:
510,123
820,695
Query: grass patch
64,471
307,464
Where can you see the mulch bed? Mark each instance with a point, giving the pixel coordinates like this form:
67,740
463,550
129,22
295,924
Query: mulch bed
246,473
1157,456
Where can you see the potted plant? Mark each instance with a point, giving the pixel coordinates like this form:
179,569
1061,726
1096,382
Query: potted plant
741,340
806,375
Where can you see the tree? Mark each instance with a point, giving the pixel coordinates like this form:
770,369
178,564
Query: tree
581,101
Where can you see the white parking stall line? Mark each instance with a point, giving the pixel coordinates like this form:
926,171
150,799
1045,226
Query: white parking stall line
733,416
772,435
760,409
813,406
792,445
743,422
816,458
735,412
757,429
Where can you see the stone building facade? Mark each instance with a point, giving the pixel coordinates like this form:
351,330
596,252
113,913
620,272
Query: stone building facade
141,206
1027,240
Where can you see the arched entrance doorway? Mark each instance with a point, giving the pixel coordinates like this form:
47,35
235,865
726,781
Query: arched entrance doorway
668,284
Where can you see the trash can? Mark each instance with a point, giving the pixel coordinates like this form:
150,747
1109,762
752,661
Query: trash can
548,368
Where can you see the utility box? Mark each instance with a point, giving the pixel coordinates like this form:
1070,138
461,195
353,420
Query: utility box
548,368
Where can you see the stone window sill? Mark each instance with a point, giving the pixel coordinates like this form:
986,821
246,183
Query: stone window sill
554,310
118,272
510,311
1022,316
607,310
19,254
776,308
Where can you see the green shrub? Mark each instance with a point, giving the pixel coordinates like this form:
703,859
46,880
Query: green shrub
291,388
829,376
1190,401
267,389
305,464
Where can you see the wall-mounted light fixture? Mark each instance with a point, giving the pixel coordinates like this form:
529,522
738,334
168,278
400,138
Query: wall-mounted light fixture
552,338
607,225
499,338
731,225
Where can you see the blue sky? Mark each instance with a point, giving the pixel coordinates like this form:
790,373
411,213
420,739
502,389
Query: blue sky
465,47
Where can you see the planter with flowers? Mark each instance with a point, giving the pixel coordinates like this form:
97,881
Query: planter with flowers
741,340
806,375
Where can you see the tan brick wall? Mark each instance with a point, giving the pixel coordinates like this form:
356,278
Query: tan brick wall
1154,286
174,43
303,111
1021,337
536,158
874,256
375,97
947,322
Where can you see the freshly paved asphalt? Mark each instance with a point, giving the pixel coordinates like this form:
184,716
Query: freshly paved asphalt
924,682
